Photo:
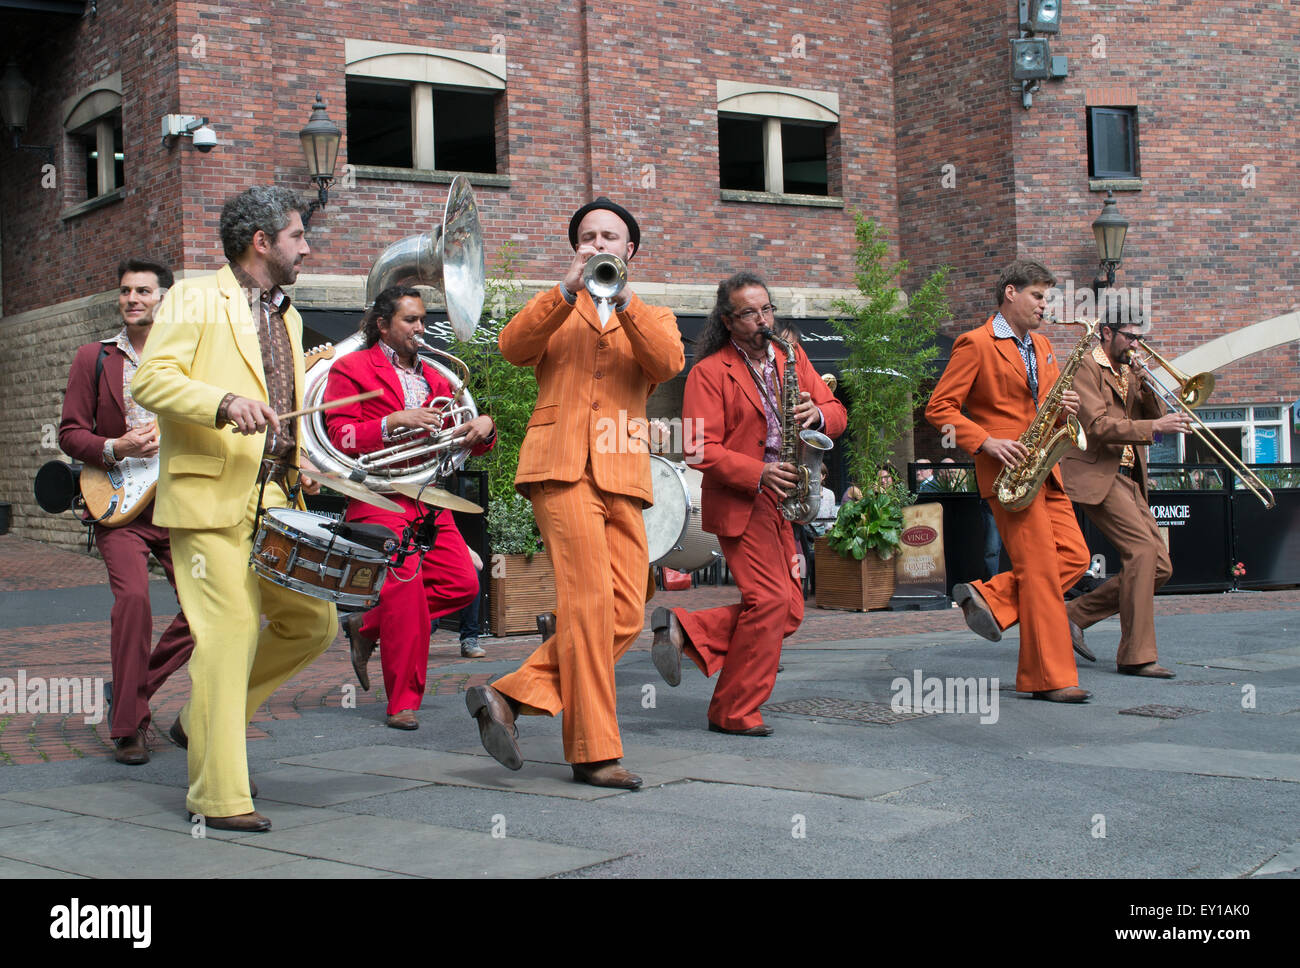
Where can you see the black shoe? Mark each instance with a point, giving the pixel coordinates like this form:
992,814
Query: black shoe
177,735
762,729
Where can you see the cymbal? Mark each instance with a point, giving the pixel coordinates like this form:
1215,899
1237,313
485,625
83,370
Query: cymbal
436,497
359,492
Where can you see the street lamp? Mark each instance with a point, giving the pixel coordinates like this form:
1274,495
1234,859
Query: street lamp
15,102
1109,229
320,146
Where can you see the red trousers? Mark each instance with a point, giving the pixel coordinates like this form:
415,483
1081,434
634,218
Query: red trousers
597,543
415,595
744,640
1048,555
138,672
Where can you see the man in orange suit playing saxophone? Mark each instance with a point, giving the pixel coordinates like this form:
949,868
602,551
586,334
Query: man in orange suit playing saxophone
585,464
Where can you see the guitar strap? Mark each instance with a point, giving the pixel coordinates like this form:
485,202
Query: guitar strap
94,428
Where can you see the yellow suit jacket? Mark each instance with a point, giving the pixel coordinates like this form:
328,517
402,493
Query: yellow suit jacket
592,387
204,345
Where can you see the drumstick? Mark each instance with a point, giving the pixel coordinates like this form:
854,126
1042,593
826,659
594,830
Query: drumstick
333,403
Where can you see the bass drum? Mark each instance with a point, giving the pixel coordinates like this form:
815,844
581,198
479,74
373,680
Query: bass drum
672,527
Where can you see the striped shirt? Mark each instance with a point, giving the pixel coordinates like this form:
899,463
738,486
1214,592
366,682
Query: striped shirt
1002,330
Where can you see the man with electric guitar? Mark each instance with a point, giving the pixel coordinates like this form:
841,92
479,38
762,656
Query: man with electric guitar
115,438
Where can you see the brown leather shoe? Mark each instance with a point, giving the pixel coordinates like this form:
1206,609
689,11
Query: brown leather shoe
252,822
762,729
1068,694
403,719
666,652
546,625
976,611
1150,670
496,725
1079,645
606,773
361,649
177,735
131,750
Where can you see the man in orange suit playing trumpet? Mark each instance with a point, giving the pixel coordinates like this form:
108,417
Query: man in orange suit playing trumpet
442,580
585,464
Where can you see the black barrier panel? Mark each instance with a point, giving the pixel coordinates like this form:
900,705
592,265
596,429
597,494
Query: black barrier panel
1267,541
963,535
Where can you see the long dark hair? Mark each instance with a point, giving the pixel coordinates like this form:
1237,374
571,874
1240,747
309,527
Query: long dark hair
715,334
384,307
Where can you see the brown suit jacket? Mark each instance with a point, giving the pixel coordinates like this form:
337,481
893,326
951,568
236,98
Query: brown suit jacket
1110,423
88,422
592,387
726,432
987,376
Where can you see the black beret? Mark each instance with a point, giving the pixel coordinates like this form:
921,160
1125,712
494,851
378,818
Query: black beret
633,230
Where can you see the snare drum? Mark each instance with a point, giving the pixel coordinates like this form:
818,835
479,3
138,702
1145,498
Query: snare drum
674,537
295,550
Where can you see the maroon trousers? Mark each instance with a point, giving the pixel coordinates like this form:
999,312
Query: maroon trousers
744,640
137,671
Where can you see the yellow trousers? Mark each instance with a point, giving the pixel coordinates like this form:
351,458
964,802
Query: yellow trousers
236,664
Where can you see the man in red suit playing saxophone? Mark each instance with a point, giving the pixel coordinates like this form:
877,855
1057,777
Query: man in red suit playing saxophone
443,580
732,412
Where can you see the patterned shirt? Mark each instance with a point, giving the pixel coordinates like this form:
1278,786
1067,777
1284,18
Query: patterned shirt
415,388
1002,330
136,415
766,378
268,308
1121,377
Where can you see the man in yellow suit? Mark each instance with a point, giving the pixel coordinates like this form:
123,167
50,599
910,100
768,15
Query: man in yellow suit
227,350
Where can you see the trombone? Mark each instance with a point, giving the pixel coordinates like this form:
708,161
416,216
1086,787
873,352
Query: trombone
1193,391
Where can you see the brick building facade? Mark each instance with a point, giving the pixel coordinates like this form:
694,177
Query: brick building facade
921,124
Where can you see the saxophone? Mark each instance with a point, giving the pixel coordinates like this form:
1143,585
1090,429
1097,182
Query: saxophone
1015,486
803,448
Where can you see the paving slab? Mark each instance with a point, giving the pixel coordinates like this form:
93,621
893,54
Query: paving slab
113,799
425,850
99,847
453,769
1283,862
13,813
780,774
15,869
1271,661
1173,758
324,788
312,869
284,816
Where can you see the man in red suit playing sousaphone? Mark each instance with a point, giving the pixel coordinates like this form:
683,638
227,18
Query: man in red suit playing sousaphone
1000,373
732,412
443,580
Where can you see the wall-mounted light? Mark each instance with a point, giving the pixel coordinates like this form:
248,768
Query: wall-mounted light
191,126
1109,229
15,103
1032,60
320,147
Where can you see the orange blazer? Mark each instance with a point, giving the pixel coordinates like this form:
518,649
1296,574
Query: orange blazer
592,387
986,375
725,432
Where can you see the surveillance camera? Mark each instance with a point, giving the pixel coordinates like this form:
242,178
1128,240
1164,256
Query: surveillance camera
205,139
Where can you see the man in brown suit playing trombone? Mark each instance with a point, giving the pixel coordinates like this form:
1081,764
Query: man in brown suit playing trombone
1120,413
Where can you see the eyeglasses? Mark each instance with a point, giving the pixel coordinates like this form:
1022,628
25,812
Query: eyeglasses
1131,337
749,315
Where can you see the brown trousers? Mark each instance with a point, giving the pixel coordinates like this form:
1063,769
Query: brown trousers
1124,518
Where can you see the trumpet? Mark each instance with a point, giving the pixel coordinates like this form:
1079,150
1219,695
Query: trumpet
604,276
1193,391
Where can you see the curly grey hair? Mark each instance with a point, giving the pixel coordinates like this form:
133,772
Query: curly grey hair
263,208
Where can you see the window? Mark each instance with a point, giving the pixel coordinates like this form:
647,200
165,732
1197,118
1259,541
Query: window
776,141
424,109
92,120
1258,435
1112,143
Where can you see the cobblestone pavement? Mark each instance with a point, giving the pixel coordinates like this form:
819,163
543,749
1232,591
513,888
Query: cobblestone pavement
80,648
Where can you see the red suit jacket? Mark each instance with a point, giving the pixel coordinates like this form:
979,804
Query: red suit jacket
80,413
357,425
987,376
725,432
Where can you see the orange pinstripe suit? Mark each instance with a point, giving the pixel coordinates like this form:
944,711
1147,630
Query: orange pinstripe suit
987,376
585,465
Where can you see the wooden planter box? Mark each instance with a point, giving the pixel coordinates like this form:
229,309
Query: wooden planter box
521,589
858,586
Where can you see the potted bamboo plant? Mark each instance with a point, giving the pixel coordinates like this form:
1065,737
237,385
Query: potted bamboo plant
891,346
